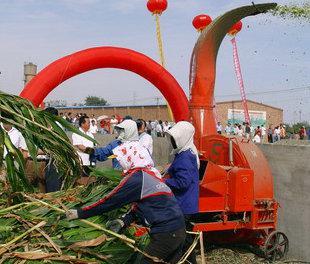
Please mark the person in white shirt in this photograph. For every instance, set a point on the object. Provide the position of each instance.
(257, 139)
(82, 143)
(159, 128)
(93, 118)
(219, 128)
(113, 123)
(93, 127)
(240, 131)
(144, 138)
(228, 129)
(17, 139)
(166, 126)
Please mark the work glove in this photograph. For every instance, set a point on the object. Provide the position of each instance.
(89, 150)
(115, 225)
(72, 214)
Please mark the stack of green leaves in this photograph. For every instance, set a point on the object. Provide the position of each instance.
(36, 230)
(41, 130)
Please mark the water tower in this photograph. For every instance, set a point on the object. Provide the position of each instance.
(30, 70)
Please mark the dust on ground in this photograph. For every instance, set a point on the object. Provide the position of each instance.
(238, 256)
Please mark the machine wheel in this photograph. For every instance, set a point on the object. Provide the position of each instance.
(276, 246)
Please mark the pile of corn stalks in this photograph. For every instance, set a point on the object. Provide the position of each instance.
(36, 230)
(41, 131)
(33, 227)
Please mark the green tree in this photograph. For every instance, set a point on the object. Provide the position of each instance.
(95, 101)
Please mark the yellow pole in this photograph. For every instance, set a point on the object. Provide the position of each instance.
(161, 55)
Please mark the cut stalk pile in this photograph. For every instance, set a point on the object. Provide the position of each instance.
(36, 230)
(33, 228)
(41, 131)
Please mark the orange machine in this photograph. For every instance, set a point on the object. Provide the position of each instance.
(236, 199)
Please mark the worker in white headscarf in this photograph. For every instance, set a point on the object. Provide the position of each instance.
(183, 174)
(127, 132)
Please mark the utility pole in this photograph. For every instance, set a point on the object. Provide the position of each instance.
(134, 97)
(157, 100)
(299, 116)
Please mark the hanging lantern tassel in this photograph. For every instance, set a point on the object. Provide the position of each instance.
(159, 41)
(240, 80)
(157, 7)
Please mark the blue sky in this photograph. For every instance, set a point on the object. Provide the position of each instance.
(274, 53)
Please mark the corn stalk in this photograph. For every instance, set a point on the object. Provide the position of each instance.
(41, 131)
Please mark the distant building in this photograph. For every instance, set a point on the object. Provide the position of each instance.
(231, 111)
(30, 71)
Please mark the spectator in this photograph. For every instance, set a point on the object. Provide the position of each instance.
(247, 131)
(149, 127)
(219, 128)
(276, 133)
(159, 129)
(282, 131)
(166, 127)
(228, 129)
(16, 137)
(270, 134)
(113, 123)
(235, 129)
(258, 131)
(82, 143)
(93, 127)
(302, 133)
(240, 131)
(127, 117)
(69, 117)
(144, 138)
(93, 118)
(257, 138)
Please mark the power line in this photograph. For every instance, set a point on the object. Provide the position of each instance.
(268, 92)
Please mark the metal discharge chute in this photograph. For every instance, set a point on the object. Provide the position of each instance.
(203, 68)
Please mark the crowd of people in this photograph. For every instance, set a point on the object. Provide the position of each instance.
(259, 134)
(106, 125)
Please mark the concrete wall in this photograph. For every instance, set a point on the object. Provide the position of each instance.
(290, 166)
(291, 170)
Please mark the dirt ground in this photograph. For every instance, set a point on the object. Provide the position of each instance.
(237, 256)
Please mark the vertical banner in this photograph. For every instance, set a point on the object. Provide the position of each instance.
(240, 80)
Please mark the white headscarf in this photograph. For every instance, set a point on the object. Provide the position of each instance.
(183, 135)
(131, 155)
(128, 131)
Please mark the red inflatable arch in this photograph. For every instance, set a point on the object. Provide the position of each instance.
(108, 57)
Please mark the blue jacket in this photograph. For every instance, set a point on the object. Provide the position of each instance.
(102, 154)
(184, 181)
(154, 203)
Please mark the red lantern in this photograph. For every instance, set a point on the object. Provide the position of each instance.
(235, 28)
(200, 22)
(157, 6)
